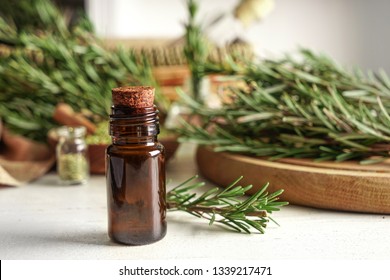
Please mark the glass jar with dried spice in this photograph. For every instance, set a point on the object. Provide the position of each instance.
(135, 172)
(72, 160)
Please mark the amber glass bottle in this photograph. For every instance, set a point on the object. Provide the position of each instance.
(135, 169)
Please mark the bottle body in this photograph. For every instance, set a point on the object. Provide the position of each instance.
(136, 194)
(135, 172)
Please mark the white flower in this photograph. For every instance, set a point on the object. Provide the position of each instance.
(249, 11)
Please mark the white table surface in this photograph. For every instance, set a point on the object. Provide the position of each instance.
(43, 220)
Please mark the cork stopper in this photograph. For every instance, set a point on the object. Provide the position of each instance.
(133, 96)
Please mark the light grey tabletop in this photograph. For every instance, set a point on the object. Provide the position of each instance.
(43, 220)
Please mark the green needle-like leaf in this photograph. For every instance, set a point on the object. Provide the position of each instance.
(227, 206)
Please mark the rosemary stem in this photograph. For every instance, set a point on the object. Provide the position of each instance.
(205, 209)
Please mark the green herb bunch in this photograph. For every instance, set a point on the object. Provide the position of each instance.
(47, 59)
(306, 107)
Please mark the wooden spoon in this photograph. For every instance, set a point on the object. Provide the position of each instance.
(65, 115)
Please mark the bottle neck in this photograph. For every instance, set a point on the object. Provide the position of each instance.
(134, 126)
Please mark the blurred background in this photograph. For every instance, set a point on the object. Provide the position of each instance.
(58, 65)
(354, 32)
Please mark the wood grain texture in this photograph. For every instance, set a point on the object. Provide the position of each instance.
(320, 185)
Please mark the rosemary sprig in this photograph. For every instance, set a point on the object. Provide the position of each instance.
(307, 108)
(226, 206)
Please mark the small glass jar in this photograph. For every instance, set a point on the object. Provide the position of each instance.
(72, 160)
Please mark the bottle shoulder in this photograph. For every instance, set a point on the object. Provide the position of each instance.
(155, 147)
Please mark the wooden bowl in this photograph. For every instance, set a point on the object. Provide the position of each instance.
(97, 158)
(347, 186)
(171, 144)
